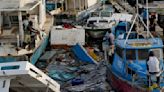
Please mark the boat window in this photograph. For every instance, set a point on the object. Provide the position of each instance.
(143, 54)
(94, 14)
(121, 28)
(92, 22)
(130, 71)
(104, 21)
(130, 55)
(131, 36)
(14, 19)
(105, 14)
(119, 51)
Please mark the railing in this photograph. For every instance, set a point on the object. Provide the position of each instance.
(143, 80)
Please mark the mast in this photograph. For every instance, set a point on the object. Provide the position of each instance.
(21, 32)
(147, 11)
(138, 16)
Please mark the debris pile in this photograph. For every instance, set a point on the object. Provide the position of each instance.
(77, 76)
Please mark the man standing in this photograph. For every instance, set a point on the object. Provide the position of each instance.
(153, 66)
(109, 36)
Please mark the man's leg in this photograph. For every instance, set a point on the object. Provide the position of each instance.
(158, 80)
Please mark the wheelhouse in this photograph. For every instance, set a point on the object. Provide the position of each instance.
(130, 58)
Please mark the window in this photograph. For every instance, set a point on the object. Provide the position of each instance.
(143, 54)
(131, 36)
(121, 28)
(119, 51)
(130, 71)
(103, 21)
(92, 22)
(130, 55)
(14, 19)
(105, 14)
(94, 14)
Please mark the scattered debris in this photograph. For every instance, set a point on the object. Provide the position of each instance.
(74, 75)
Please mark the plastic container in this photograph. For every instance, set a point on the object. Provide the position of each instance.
(77, 81)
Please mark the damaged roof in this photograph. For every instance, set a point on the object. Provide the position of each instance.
(15, 6)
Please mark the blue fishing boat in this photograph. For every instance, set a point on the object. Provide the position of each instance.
(128, 70)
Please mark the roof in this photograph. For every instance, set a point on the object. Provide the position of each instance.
(140, 43)
(122, 17)
(15, 6)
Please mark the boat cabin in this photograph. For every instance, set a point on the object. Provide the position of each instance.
(121, 28)
(99, 22)
(130, 58)
(124, 21)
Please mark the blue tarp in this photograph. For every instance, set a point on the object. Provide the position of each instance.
(82, 54)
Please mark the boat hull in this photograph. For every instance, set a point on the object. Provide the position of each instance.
(96, 33)
(33, 57)
(122, 85)
(38, 52)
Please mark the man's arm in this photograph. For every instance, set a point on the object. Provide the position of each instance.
(34, 30)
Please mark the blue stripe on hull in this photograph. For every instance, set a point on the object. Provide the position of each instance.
(34, 58)
(7, 59)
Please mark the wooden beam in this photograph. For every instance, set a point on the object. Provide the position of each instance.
(21, 31)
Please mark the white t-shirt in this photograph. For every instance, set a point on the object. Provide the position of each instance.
(153, 64)
(109, 36)
(121, 36)
(25, 23)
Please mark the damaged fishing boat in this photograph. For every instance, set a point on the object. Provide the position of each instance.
(17, 60)
(100, 22)
(127, 76)
(128, 70)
